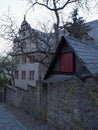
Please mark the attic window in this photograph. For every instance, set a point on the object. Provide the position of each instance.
(66, 63)
(32, 59)
(23, 45)
(23, 34)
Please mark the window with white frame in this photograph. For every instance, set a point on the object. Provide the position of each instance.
(31, 75)
(23, 75)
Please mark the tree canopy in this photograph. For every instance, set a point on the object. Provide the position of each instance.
(78, 28)
(7, 67)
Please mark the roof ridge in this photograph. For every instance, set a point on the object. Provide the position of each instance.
(85, 43)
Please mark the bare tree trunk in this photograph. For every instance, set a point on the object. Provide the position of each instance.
(56, 26)
(56, 35)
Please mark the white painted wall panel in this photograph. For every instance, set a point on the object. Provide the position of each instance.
(27, 67)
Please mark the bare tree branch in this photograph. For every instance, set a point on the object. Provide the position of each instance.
(56, 6)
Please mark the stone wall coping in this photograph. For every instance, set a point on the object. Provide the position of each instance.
(11, 87)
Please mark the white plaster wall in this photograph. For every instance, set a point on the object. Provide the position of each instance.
(30, 46)
(27, 67)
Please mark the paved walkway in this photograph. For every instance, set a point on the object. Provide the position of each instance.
(13, 119)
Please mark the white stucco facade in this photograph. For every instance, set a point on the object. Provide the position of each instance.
(27, 67)
(25, 34)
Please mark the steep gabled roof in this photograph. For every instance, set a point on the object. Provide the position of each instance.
(44, 42)
(87, 53)
(94, 30)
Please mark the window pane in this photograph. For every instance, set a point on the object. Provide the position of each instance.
(23, 59)
(32, 58)
(16, 74)
(31, 75)
(23, 74)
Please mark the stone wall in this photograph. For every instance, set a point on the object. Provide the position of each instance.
(11, 95)
(69, 105)
(28, 101)
(73, 104)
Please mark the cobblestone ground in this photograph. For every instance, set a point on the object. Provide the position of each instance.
(13, 119)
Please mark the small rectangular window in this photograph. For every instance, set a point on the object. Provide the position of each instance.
(31, 59)
(23, 45)
(31, 75)
(24, 32)
(23, 75)
(23, 59)
(16, 74)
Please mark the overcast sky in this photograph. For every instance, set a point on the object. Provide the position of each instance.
(18, 9)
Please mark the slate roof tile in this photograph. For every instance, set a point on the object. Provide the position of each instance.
(88, 53)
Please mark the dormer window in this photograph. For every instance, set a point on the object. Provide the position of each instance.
(23, 45)
(24, 33)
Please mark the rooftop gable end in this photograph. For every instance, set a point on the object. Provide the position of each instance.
(88, 54)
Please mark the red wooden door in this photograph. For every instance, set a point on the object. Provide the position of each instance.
(66, 62)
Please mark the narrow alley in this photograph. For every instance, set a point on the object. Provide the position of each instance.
(13, 119)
